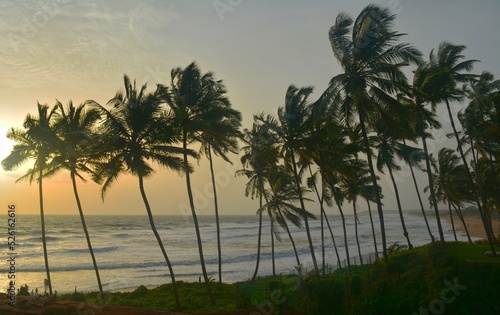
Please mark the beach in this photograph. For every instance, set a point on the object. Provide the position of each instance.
(474, 223)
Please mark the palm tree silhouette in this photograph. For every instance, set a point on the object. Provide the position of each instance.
(452, 186)
(136, 133)
(260, 153)
(199, 108)
(75, 126)
(372, 62)
(37, 142)
(221, 136)
(291, 128)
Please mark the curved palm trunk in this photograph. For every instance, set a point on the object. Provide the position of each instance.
(421, 203)
(259, 240)
(272, 244)
(482, 211)
(345, 237)
(373, 227)
(356, 229)
(323, 214)
(375, 184)
(343, 228)
(291, 238)
(195, 220)
(304, 215)
(216, 206)
(461, 217)
(400, 209)
(44, 240)
(160, 243)
(431, 187)
(452, 222)
(323, 244)
(87, 236)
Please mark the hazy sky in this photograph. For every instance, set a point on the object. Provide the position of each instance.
(80, 50)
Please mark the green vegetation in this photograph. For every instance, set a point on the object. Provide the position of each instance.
(460, 281)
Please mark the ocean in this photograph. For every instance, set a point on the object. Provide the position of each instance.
(128, 255)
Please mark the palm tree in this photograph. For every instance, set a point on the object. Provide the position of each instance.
(260, 153)
(135, 134)
(389, 144)
(280, 204)
(221, 137)
(198, 107)
(449, 64)
(327, 147)
(452, 186)
(322, 198)
(74, 126)
(372, 63)
(423, 93)
(291, 128)
(37, 141)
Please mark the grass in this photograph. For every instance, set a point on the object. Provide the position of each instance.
(412, 282)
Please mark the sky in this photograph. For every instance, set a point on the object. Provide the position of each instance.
(79, 50)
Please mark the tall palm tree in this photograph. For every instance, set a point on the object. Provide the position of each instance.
(221, 136)
(327, 147)
(422, 93)
(36, 142)
(75, 126)
(450, 64)
(260, 153)
(390, 146)
(372, 62)
(197, 103)
(291, 128)
(135, 134)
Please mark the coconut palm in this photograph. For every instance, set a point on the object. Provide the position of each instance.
(75, 126)
(197, 103)
(390, 146)
(36, 142)
(450, 64)
(322, 198)
(422, 119)
(135, 133)
(452, 186)
(221, 137)
(327, 147)
(372, 62)
(291, 128)
(260, 153)
(282, 195)
(480, 120)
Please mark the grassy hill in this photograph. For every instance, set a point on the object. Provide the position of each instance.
(424, 280)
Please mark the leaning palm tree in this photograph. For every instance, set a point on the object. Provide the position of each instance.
(36, 142)
(390, 146)
(452, 186)
(449, 65)
(221, 137)
(75, 126)
(280, 204)
(197, 104)
(260, 154)
(291, 128)
(372, 63)
(135, 133)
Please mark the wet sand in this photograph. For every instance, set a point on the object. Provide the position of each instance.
(473, 222)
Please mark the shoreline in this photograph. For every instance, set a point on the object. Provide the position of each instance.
(473, 222)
